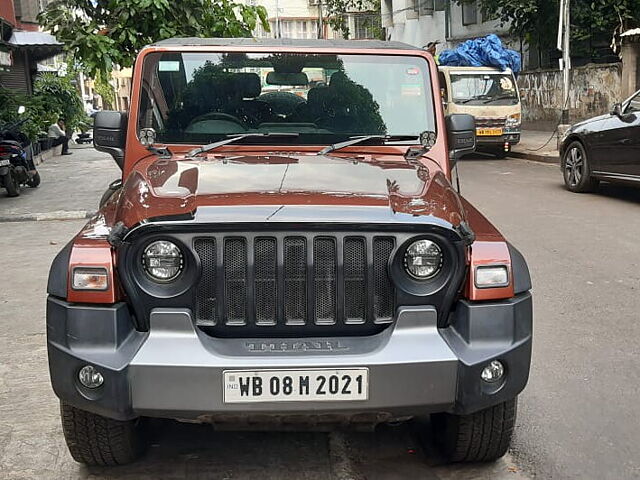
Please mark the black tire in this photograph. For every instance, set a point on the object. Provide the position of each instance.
(576, 169)
(96, 440)
(34, 181)
(483, 436)
(12, 185)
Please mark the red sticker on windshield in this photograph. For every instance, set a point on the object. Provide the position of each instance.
(413, 71)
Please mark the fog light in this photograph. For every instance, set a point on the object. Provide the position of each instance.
(492, 372)
(90, 377)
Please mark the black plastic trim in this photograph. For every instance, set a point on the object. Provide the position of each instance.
(59, 272)
(520, 270)
(486, 331)
(101, 336)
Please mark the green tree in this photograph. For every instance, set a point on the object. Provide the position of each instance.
(60, 98)
(100, 34)
(536, 21)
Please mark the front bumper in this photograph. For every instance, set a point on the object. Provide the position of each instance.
(176, 371)
(512, 138)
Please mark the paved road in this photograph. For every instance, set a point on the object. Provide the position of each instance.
(578, 417)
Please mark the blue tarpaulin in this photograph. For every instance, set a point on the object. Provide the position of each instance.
(482, 52)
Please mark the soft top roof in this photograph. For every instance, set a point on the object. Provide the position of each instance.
(284, 42)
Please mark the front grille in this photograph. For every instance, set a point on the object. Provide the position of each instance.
(289, 283)
(490, 122)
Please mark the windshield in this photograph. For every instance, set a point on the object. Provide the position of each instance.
(203, 97)
(479, 89)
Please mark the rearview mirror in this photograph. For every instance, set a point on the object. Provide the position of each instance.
(110, 134)
(617, 109)
(21, 109)
(461, 135)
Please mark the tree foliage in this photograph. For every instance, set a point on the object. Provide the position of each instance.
(536, 21)
(100, 34)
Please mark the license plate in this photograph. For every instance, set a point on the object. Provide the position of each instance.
(488, 132)
(249, 386)
(4, 163)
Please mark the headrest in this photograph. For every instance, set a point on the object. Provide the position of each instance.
(248, 84)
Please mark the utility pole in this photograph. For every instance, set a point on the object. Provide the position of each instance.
(277, 32)
(564, 45)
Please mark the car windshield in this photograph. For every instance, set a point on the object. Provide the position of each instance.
(198, 98)
(482, 89)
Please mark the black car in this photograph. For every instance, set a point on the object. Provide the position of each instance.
(603, 148)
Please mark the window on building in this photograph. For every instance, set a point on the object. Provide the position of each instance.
(366, 26)
(413, 7)
(469, 13)
(425, 7)
(439, 5)
(298, 29)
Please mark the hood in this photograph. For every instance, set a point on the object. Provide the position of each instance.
(586, 123)
(270, 187)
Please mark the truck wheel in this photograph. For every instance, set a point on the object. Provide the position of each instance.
(480, 437)
(96, 440)
(12, 185)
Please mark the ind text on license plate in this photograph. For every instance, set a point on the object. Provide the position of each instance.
(296, 385)
(488, 132)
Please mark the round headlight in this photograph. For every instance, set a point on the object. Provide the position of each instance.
(162, 260)
(423, 259)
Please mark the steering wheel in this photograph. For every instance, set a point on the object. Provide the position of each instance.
(218, 116)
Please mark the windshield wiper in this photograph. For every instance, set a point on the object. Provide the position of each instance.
(501, 97)
(360, 139)
(235, 138)
(467, 100)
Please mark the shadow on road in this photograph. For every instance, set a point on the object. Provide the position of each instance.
(198, 452)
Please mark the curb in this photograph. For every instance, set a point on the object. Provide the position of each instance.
(41, 217)
(536, 157)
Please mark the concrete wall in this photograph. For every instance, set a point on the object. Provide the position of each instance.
(594, 89)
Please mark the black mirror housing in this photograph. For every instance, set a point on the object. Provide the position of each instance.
(110, 134)
(461, 135)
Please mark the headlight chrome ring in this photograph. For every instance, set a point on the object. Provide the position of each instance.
(162, 261)
(423, 259)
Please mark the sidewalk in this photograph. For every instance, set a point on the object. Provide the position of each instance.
(71, 187)
(532, 146)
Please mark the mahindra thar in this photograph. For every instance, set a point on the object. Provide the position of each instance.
(285, 249)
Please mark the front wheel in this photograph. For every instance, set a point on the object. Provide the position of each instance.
(576, 169)
(96, 440)
(483, 436)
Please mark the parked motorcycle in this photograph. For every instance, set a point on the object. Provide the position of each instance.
(16, 164)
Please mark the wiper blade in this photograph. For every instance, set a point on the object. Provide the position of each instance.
(360, 139)
(501, 97)
(235, 138)
(467, 100)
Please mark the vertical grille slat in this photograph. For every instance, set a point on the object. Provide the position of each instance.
(324, 278)
(235, 276)
(206, 301)
(355, 280)
(295, 281)
(297, 285)
(383, 287)
(265, 280)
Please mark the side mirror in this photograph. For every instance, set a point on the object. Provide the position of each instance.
(21, 109)
(110, 134)
(617, 109)
(461, 135)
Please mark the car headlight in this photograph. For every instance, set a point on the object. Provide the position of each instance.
(423, 259)
(513, 121)
(162, 261)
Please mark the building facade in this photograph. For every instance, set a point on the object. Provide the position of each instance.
(419, 22)
(23, 49)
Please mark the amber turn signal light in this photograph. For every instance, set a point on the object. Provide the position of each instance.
(93, 278)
